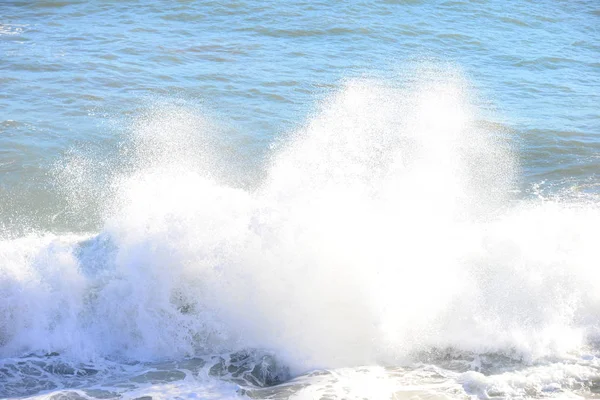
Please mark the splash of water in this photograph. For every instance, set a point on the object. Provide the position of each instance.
(386, 226)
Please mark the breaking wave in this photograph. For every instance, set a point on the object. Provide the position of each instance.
(389, 225)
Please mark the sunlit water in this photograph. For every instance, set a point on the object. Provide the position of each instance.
(299, 200)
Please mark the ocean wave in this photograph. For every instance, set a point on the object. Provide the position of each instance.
(387, 227)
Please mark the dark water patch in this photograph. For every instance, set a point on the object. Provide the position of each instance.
(101, 394)
(159, 377)
(34, 374)
(293, 33)
(515, 21)
(546, 62)
(250, 368)
(69, 395)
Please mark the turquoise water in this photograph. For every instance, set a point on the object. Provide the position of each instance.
(73, 72)
(181, 181)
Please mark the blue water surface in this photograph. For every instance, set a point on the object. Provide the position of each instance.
(71, 72)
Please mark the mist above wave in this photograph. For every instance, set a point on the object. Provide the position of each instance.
(387, 225)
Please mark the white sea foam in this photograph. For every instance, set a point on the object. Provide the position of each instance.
(386, 226)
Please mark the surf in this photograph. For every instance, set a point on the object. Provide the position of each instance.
(389, 227)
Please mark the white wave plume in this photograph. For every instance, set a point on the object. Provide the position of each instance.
(387, 225)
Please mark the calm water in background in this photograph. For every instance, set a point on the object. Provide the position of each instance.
(72, 72)
(80, 80)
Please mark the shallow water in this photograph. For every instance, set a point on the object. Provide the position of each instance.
(299, 200)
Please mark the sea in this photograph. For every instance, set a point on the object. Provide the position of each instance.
(243, 199)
